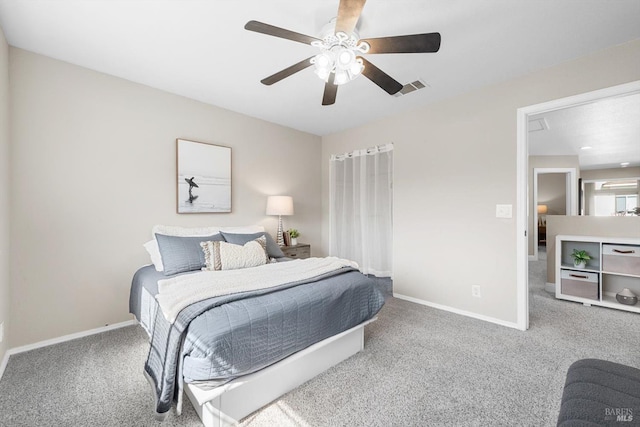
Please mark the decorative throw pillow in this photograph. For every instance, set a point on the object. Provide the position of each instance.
(273, 249)
(180, 254)
(220, 255)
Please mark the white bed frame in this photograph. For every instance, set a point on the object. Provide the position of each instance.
(227, 404)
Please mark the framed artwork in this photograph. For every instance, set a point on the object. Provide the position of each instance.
(204, 177)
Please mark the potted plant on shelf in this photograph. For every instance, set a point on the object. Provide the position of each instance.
(580, 258)
(293, 233)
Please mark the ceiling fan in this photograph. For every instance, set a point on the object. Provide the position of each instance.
(340, 59)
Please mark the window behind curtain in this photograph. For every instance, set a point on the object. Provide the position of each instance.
(361, 198)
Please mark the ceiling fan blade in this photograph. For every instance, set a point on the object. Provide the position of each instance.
(415, 43)
(348, 15)
(275, 78)
(379, 77)
(261, 27)
(330, 91)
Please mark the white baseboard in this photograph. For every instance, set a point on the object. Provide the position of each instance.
(458, 311)
(61, 339)
(4, 362)
(550, 287)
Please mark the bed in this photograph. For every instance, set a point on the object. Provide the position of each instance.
(235, 340)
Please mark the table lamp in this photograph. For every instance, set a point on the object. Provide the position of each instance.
(280, 205)
(542, 210)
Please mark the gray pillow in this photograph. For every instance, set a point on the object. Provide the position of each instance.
(273, 250)
(180, 253)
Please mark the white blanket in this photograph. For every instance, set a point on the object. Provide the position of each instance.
(178, 292)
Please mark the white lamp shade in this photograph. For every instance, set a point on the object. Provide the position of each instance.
(542, 209)
(279, 205)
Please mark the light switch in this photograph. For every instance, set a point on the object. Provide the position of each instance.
(504, 211)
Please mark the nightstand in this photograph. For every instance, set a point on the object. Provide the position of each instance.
(301, 250)
(542, 234)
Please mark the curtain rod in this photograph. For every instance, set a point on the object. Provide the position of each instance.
(363, 152)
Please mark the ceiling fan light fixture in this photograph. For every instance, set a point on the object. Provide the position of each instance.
(338, 55)
(363, 47)
(356, 67)
(342, 77)
(324, 60)
(343, 38)
(323, 73)
(339, 58)
(324, 64)
(346, 58)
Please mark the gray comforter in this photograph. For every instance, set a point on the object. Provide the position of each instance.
(226, 337)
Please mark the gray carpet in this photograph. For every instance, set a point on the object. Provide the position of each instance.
(420, 367)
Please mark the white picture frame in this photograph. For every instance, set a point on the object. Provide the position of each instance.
(203, 177)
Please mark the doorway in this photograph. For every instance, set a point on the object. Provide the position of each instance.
(523, 181)
(554, 193)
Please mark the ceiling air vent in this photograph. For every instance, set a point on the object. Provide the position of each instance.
(411, 87)
(537, 125)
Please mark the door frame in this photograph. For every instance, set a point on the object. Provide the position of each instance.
(522, 182)
(571, 198)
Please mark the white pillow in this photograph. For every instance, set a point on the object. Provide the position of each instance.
(154, 253)
(228, 256)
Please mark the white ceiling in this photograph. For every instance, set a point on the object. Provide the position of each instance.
(199, 49)
(611, 127)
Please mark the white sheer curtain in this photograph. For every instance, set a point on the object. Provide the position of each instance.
(361, 197)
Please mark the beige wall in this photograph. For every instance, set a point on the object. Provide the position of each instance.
(552, 192)
(464, 148)
(610, 173)
(93, 167)
(598, 226)
(4, 193)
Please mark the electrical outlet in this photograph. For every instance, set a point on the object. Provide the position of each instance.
(1, 331)
(475, 291)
